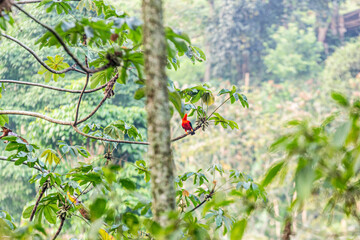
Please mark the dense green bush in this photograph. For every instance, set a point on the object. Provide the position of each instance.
(344, 63)
(296, 53)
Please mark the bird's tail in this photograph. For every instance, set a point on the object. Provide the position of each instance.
(192, 132)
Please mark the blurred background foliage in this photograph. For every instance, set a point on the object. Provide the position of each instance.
(287, 56)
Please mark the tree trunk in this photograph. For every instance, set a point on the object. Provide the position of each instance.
(157, 106)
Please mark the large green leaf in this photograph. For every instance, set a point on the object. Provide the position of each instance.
(238, 230)
(272, 172)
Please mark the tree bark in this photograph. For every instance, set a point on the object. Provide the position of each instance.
(157, 107)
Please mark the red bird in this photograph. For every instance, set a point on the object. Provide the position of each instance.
(186, 124)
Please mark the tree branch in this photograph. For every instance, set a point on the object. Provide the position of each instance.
(62, 43)
(93, 112)
(53, 88)
(24, 163)
(42, 191)
(184, 135)
(38, 58)
(206, 198)
(59, 229)
(108, 140)
(81, 94)
(37, 115)
(107, 94)
(218, 107)
(36, 1)
(52, 120)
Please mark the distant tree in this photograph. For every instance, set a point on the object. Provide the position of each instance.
(238, 33)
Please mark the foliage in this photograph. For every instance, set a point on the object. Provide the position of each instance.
(343, 64)
(296, 54)
(323, 159)
(239, 30)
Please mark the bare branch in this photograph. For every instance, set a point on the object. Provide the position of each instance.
(81, 94)
(61, 41)
(52, 120)
(36, 1)
(108, 140)
(53, 88)
(28, 1)
(60, 228)
(106, 93)
(205, 199)
(93, 112)
(42, 191)
(37, 115)
(218, 107)
(24, 163)
(184, 135)
(38, 58)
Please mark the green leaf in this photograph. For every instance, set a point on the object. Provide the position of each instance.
(199, 52)
(238, 230)
(175, 99)
(97, 208)
(128, 184)
(27, 212)
(272, 172)
(341, 134)
(50, 156)
(114, 131)
(3, 119)
(13, 146)
(140, 93)
(50, 214)
(223, 91)
(340, 99)
(304, 178)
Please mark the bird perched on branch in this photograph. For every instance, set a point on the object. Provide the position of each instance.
(186, 124)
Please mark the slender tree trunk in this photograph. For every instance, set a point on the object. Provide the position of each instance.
(157, 106)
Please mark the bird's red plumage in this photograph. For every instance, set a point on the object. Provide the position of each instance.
(186, 124)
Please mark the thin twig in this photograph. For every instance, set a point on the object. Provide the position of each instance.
(38, 58)
(76, 198)
(29, 1)
(205, 199)
(37, 115)
(24, 163)
(93, 112)
(60, 228)
(53, 88)
(42, 191)
(36, 1)
(218, 107)
(106, 96)
(79, 102)
(62, 43)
